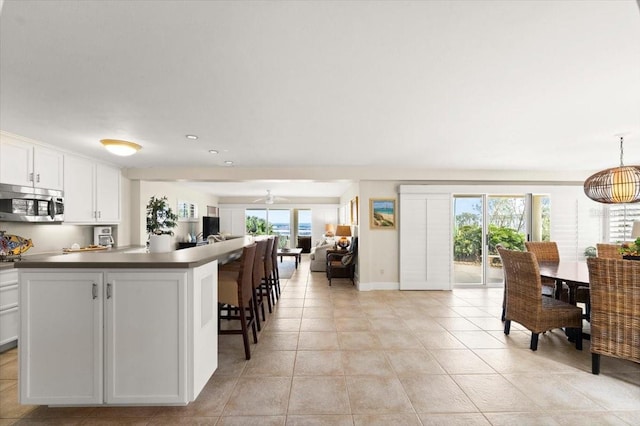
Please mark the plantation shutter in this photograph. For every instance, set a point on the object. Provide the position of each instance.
(621, 217)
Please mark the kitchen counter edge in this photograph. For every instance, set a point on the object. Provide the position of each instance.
(223, 252)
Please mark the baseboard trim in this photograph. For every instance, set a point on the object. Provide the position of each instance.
(378, 286)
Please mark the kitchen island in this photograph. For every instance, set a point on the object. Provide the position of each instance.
(120, 328)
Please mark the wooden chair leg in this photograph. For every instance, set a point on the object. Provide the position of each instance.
(507, 326)
(255, 309)
(245, 335)
(252, 320)
(578, 336)
(276, 282)
(265, 288)
(534, 342)
(595, 363)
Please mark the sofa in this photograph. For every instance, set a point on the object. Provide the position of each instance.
(318, 257)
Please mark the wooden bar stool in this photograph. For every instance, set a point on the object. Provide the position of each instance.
(275, 272)
(266, 286)
(235, 290)
(258, 275)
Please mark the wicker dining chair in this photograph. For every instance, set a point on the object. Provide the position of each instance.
(525, 306)
(547, 251)
(615, 309)
(609, 251)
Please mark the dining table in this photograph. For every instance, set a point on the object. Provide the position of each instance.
(575, 274)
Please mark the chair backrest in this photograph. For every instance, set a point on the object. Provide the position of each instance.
(258, 263)
(274, 251)
(354, 246)
(609, 251)
(522, 281)
(245, 274)
(268, 257)
(545, 251)
(615, 307)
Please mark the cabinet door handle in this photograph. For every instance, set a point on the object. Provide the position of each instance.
(94, 290)
(30, 177)
(99, 214)
(108, 290)
(38, 177)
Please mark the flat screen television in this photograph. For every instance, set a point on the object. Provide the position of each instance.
(210, 226)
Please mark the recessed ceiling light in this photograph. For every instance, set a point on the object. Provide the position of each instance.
(228, 163)
(192, 137)
(213, 151)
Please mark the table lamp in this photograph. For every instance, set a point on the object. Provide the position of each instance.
(343, 232)
(328, 230)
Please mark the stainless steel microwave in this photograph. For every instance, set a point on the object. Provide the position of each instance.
(26, 204)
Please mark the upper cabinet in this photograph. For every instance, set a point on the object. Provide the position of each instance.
(27, 164)
(91, 191)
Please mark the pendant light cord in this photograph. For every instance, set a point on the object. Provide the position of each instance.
(621, 151)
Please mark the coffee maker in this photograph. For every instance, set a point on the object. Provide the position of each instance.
(103, 236)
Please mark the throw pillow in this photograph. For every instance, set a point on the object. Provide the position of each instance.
(346, 259)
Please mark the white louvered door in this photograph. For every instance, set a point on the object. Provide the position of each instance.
(425, 241)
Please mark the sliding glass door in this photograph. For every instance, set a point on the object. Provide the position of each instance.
(269, 222)
(483, 221)
(507, 221)
(468, 242)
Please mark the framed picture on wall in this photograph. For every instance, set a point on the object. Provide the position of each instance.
(382, 213)
(354, 211)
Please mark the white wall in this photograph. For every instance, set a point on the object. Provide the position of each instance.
(378, 249)
(142, 191)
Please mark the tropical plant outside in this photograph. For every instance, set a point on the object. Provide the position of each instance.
(258, 226)
(506, 227)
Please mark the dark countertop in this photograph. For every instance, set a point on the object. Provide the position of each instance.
(137, 257)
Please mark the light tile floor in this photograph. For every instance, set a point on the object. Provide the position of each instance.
(336, 356)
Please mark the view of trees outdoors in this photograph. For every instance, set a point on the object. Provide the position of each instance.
(276, 221)
(506, 217)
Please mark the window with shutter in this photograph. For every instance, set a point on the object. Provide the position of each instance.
(621, 217)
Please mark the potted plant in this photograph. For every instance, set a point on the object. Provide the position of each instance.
(160, 222)
(631, 250)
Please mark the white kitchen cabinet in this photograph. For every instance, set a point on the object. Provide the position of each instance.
(26, 164)
(143, 316)
(61, 348)
(9, 311)
(91, 191)
(145, 336)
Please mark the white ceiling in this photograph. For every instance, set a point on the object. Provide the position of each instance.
(433, 85)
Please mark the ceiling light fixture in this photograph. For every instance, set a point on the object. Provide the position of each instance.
(228, 163)
(213, 151)
(192, 137)
(121, 148)
(616, 185)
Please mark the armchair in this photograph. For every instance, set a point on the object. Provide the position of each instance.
(343, 264)
(304, 242)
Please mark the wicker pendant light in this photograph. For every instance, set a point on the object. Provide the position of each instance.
(616, 185)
